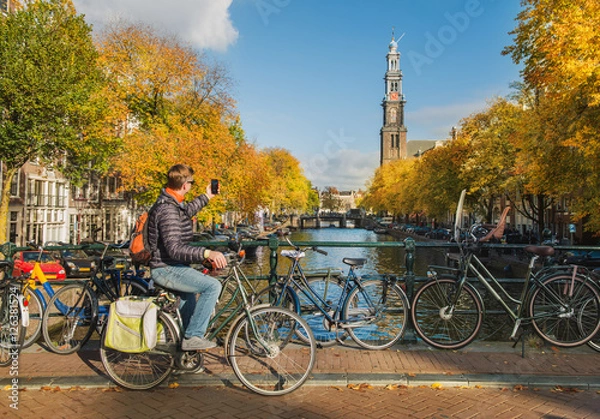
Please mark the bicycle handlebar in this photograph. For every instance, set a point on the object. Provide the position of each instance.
(313, 248)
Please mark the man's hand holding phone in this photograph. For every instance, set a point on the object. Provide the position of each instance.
(213, 188)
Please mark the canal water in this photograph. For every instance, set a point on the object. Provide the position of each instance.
(382, 260)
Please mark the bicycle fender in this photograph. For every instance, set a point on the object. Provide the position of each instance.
(23, 305)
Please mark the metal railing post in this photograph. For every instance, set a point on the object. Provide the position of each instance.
(409, 277)
(273, 246)
(409, 248)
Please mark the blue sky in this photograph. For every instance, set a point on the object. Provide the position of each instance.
(308, 74)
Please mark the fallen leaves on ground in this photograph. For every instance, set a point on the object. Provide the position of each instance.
(519, 387)
(173, 385)
(395, 386)
(437, 386)
(48, 388)
(112, 389)
(561, 389)
(362, 386)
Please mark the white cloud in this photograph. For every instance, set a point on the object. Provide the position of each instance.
(435, 122)
(346, 169)
(206, 24)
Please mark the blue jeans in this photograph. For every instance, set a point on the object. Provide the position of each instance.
(187, 283)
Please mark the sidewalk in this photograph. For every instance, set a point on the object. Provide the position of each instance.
(485, 364)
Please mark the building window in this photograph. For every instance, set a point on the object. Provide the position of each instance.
(14, 217)
(14, 184)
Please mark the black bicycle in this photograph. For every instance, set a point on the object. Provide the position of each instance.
(77, 310)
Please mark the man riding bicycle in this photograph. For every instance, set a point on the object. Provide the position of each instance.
(170, 234)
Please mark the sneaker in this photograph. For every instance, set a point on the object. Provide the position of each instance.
(196, 343)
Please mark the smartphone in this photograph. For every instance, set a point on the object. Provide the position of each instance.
(214, 186)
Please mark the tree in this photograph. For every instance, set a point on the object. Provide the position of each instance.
(557, 42)
(247, 178)
(51, 108)
(330, 199)
(436, 179)
(173, 108)
(489, 163)
(289, 190)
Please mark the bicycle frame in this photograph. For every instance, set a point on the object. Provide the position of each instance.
(350, 282)
(239, 278)
(242, 308)
(470, 263)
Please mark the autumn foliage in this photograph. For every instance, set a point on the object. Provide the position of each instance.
(172, 106)
(537, 147)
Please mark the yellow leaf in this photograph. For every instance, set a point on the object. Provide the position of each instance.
(436, 386)
(173, 385)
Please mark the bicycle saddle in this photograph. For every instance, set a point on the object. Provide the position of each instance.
(354, 261)
(292, 254)
(540, 250)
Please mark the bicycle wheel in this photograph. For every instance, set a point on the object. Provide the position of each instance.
(36, 311)
(142, 371)
(265, 354)
(12, 331)
(69, 319)
(565, 310)
(594, 342)
(443, 319)
(329, 290)
(376, 313)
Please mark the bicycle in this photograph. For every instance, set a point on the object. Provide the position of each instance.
(561, 303)
(261, 344)
(372, 311)
(35, 298)
(14, 316)
(77, 310)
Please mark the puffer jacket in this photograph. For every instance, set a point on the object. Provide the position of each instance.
(170, 231)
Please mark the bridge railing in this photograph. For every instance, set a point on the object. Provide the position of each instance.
(407, 248)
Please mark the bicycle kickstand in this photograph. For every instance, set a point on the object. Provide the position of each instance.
(521, 337)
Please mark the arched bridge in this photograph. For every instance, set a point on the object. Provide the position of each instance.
(332, 219)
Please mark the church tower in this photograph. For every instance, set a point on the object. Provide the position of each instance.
(393, 132)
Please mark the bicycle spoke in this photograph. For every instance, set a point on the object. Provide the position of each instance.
(265, 355)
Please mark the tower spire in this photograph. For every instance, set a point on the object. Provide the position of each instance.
(393, 132)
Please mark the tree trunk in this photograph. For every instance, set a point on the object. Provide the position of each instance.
(4, 202)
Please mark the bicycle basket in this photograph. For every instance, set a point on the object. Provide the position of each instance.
(131, 326)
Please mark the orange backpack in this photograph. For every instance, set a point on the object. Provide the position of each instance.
(139, 247)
